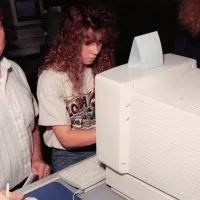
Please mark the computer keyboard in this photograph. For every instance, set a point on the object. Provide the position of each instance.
(85, 174)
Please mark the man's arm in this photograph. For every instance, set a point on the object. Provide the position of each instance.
(39, 167)
(74, 138)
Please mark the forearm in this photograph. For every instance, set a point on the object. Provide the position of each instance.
(74, 138)
(37, 154)
(80, 138)
(39, 167)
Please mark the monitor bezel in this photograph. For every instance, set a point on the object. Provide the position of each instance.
(17, 23)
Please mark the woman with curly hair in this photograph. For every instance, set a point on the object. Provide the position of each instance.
(83, 48)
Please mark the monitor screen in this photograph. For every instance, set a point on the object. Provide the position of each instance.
(27, 10)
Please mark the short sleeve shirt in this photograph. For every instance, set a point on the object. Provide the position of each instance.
(18, 109)
(59, 104)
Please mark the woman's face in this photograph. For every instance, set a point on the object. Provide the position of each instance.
(2, 38)
(90, 50)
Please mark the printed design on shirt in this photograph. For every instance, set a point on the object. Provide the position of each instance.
(81, 110)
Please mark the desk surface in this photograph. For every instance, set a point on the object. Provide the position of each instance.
(98, 193)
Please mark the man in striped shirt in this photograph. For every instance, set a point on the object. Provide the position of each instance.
(19, 135)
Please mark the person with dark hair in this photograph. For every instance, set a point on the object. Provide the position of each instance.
(83, 48)
(19, 134)
(189, 16)
(187, 42)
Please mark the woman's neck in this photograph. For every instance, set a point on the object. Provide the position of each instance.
(84, 66)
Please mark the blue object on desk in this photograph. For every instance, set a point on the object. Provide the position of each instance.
(52, 191)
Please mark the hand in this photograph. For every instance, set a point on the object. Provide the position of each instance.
(12, 196)
(40, 168)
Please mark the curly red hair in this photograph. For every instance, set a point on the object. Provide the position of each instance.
(65, 53)
(189, 15)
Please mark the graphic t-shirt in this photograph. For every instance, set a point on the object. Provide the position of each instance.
(81, 110)
(59, 105)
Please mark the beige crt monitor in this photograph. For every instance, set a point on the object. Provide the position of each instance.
(148, 130)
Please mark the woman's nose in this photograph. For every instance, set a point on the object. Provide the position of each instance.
(96, 48)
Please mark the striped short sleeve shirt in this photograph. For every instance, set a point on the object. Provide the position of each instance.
(18, 109)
